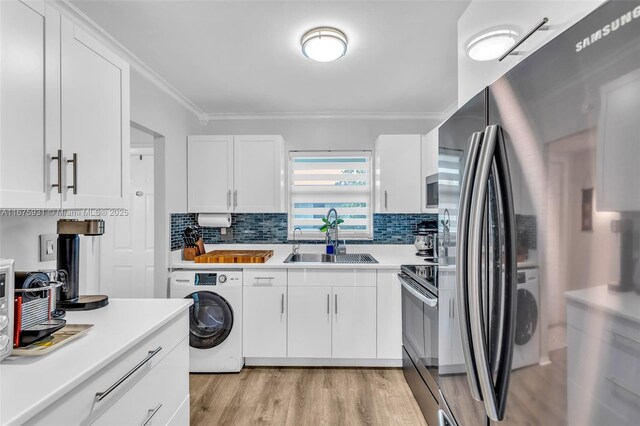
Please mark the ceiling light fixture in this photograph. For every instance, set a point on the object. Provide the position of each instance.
(324, 44)
(491, 44)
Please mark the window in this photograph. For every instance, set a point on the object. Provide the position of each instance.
(319, 181)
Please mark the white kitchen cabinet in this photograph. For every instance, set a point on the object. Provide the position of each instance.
(354, 322)
(210, 173)
(397, 174)
(617, 149)
(64, 113)
(520, 16)
(428, 166)
(389, 315)
(309, 322)
(242, 174)
(450, 355)
(264, 325)
(95, 121)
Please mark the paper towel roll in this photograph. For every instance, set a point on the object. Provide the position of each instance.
(214, 220)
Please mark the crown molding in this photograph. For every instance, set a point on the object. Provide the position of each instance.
(328, 115)
(78, 17)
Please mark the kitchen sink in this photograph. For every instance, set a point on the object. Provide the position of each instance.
(330, 258)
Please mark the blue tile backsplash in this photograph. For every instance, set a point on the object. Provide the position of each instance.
(271, 228)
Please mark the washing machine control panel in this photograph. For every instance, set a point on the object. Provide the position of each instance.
(217, 278)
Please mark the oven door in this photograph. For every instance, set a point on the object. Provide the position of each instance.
(420, 329)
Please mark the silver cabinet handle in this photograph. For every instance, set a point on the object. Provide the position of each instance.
(328, 301)
(75, 173)
(229, 199)
(235, 198)
(264, 278)
(462, 284)
(102, 395)
(282, 304)
(433, 302)
(386, 200)
(621, 386)
(152, 412)
(58, 158)
(538, 26)
(336, 303)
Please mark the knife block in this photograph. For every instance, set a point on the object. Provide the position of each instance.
(189, 253)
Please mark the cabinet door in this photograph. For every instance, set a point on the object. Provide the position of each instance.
(209, 174)
(258, 174)
(95, 121)
(354, 322)
(22, 82)
(397, 160)
(429, 165)
(445, 300)
(309, 322)
(389, 315)
(264, 331)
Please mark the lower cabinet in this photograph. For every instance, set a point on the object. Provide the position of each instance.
(264, 321)
(309, 322)
(354, 322)
(389, 315)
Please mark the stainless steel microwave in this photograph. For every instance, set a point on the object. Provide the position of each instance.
(431, 195)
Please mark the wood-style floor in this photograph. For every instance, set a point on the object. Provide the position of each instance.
(304, 396)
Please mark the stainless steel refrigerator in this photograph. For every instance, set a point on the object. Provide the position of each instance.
(542, 197)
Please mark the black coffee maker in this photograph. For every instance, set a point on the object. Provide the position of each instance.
(69, 231)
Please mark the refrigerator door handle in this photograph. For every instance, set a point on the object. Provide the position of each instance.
(509, 292)
(462, 251)
(474, 273)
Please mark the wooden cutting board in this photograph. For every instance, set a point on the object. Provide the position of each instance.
(235, 256)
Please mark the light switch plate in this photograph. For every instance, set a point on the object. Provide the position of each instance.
(48, 247)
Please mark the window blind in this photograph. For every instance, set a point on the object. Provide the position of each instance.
(319, 181)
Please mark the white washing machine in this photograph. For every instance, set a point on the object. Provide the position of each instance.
(527, 338)
(215, 318)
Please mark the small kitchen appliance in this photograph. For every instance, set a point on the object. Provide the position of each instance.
(69, 231)
(425, 240)
(6, 307)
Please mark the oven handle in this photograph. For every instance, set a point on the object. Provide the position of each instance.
(461, 261)
(433, 302)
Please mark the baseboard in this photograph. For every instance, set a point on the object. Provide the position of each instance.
(321, 362)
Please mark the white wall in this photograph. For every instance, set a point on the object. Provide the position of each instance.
(325, 133)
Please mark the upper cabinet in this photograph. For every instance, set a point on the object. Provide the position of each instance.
(242, 174)
(518, 16)
(64, 113)
(429, 151)
(397, 174)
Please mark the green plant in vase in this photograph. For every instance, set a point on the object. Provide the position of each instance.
(329, 225)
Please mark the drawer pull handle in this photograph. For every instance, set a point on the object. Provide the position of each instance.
(621, 386)
(631, 339)
(102, 395)
(264, 278)
(152, 412)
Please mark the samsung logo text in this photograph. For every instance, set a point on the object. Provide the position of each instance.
(608, 29)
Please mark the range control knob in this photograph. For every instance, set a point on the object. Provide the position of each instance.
(222, 279)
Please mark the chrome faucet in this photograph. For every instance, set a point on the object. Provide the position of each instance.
(296, 244)
(336, 241)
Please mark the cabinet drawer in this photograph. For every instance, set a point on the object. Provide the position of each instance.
(332, 277)
(157, 395)
(79, 405)
(602, 325)
(264, 277)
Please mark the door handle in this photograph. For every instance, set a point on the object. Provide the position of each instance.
(386, 199)
(328, 301)
(462, 255)
(58, 158)
(282, 304)
(335, 303)
(529, 33)
(229, 199)
(152, 412)
(235, 198)
(75, 173)
(102, 395)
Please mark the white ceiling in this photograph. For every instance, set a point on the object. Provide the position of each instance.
(243, 57)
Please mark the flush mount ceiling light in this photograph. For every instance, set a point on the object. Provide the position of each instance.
(324, 44)
(491, 44)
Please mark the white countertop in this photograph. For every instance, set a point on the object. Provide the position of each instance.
(624, 305)
(30, 384)
(388, 256)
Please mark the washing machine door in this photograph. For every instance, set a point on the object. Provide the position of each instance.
(526, 317)
(210, 319)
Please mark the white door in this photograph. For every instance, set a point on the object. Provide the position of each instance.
(264, 329)
(126, 268)
(95, 121)
(309, 322)
(258, 175)
(397, 159)
(22, 82)
(210, 174)
(354, 322)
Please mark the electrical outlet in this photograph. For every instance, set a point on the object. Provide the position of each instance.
(48, 247)
(227, 235)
